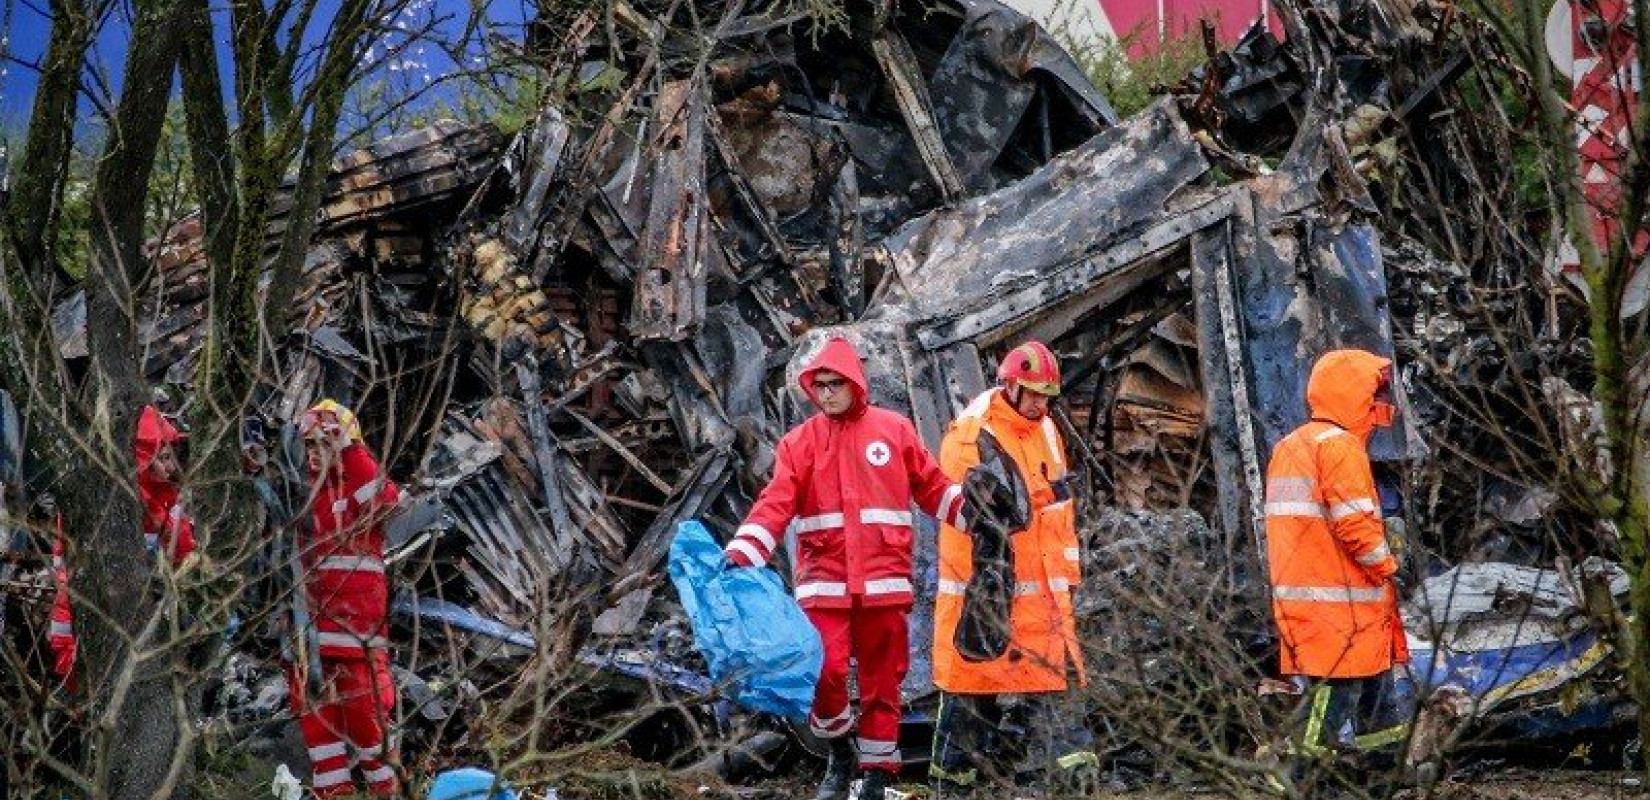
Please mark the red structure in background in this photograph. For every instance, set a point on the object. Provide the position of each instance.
(1152, 22)
(1592, 42)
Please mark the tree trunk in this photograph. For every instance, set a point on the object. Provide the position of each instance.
(142, 746)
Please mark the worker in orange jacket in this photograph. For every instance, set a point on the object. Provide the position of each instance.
(1333, 590)
(1042, 668)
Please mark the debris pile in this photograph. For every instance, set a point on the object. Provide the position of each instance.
(569, 340)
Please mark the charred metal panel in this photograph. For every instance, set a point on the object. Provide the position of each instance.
(669, 298)
(1043, 240)
(1003, 72)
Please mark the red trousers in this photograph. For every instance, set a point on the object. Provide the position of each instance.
(877, 640)
(351, 714)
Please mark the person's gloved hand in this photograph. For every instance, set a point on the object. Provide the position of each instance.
(733, 559)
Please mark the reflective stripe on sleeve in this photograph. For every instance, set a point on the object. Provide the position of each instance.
(1330, 594)
(749, 550)
(1291, 490)
(1376, 556)
(950, 504)
(758, 533)
(948, 586)
(1313, 510)
(1361, 505)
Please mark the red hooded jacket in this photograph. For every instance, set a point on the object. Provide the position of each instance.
(848, 483)
(166, 526)
(344, 560)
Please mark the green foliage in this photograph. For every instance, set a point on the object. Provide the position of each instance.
(1128, 83)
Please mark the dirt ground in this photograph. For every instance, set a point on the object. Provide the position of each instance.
(1546, 785)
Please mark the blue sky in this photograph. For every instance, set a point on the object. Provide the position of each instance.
(27, 28)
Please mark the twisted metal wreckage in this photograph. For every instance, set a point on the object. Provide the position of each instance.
(597, 316)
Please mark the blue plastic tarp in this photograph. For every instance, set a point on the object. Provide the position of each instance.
(753, 635)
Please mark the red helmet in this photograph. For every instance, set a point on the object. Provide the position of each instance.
(1032, 366)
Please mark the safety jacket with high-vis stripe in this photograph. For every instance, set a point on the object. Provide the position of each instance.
(1047, 560)
(343, 560)
(847, 483)
(1331, 569)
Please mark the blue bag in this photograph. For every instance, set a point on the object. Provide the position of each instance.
(749, 629)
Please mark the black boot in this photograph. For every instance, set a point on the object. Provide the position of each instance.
(874, 786)
(839, 771)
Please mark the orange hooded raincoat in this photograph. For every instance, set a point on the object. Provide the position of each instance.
(1331, 569)
(1047, 560)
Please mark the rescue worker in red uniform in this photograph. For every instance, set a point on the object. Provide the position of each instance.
(346, 721)
(846, 479)
(1035, 681)
(167, 527)
(1332, 570)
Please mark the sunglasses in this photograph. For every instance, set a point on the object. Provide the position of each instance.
(830, 385)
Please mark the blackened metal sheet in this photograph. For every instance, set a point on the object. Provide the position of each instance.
(961, 259)
(989, 77)
(1306, 290)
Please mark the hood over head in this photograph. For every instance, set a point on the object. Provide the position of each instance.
(153, 432)
(1342, 390)
(840, 357)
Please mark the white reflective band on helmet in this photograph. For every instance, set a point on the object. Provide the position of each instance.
(948, 586)
(1291, 490)
(1329, 434)
(1074, 554)
(351, 564)
(821, 589)
(61, 629)
(1376, 556)
(887, 586)
(818, 522)
(1330, 594)
(330, 778)
(369, 490)
(349, 640)
(884, 516)
(758, 533)
(1362, 505)
(326, 751)
(1314, 510)
(751, 553)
